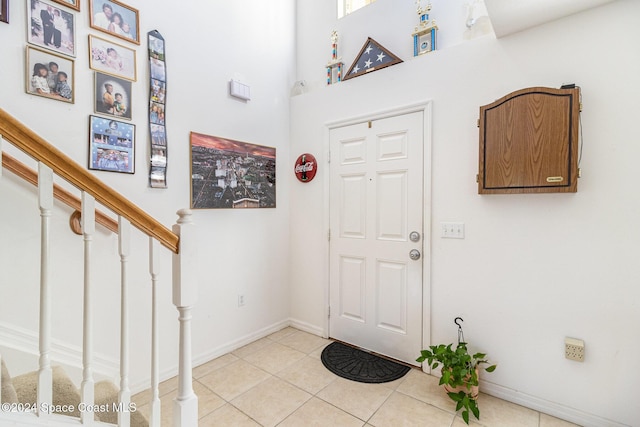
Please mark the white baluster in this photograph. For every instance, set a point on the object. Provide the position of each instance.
(185, 405)
(124, 397)
(0, 156)
(45, 199)
(88, 228)
(154, 267)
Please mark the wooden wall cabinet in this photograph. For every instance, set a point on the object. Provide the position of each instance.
(529, 142)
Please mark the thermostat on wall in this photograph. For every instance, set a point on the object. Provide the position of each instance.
(240, 90)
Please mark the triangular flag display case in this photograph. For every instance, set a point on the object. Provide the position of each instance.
(372, 57)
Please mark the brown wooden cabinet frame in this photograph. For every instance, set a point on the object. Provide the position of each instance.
(529, 142)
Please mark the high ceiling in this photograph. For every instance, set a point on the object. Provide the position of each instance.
(511, 16)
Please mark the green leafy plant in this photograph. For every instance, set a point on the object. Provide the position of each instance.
(459, 368)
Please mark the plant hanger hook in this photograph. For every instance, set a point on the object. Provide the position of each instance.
(460, 333)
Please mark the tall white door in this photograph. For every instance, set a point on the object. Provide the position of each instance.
(376, 215)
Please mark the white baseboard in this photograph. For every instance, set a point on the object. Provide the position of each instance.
(547, 407)
(215, 353)
(26, 341)
(307, 327)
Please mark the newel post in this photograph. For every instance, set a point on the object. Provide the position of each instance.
(185, 405)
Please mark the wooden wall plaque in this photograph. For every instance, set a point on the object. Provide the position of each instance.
(529, 142)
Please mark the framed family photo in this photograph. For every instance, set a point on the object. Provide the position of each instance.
(73, 4)
(51, 27)
(113, 96)
(49, 75)
(115, 18)
(112, 145)
(4, 11)
(112, 58)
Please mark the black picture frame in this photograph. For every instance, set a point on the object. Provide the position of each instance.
(118, 102)
(111, 145)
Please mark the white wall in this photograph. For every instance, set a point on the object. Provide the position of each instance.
(532, 269)
(207, 44)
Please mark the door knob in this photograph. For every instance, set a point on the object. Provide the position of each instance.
(414, 254)
(414, 236)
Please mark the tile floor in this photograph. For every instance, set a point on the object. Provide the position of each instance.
(279, 380)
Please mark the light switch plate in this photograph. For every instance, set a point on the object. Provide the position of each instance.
(452, 230)
(240, 90)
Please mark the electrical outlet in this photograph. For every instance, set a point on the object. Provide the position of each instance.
(241, 300)
(574, 349)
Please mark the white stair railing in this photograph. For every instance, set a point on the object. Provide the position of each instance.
(180, 240)
(88, 384)
(185, 408)
(45, 376)
(124, 248)
(154, 266)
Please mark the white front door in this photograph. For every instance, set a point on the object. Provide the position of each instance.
(376, 207)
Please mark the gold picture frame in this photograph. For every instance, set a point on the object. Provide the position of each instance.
(116, 19)
(50, 75)
(73, 4)
(112, 58)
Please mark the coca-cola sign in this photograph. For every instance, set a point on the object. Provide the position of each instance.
(306, 167)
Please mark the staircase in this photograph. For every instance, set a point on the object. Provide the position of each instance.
(20, 392)
(47, 396)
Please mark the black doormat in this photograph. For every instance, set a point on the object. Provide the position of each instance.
(357, 365)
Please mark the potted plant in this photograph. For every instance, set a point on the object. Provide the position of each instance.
(459, 374)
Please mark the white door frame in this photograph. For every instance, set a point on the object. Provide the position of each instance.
(424, 107)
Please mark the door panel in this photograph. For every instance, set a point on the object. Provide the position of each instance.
(352, 288)
(376, 200)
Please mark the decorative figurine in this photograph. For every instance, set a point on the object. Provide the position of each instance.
(424, 36)
(335, 65)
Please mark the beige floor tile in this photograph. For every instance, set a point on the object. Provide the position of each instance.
(549, 421)
(393, 385)
(402, 410)
(142, 398)
(317, 353)
(318, 413)
(358, 399)
(166, 409)
(271, 401)
(495, 412)
(168, 386)
(234, 379)
(212, 365)
(252, 348)
(425, 387)
(309, 374)
(304, 342)
(459, 422)
(274, 358)
(208, 401)
(227, 416)
(277, 336)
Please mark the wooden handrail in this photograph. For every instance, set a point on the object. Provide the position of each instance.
(23, 171)
(35, 146)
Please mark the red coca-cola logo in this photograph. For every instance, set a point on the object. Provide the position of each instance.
(306, 167)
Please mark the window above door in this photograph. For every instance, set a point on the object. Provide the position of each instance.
(346, 7)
